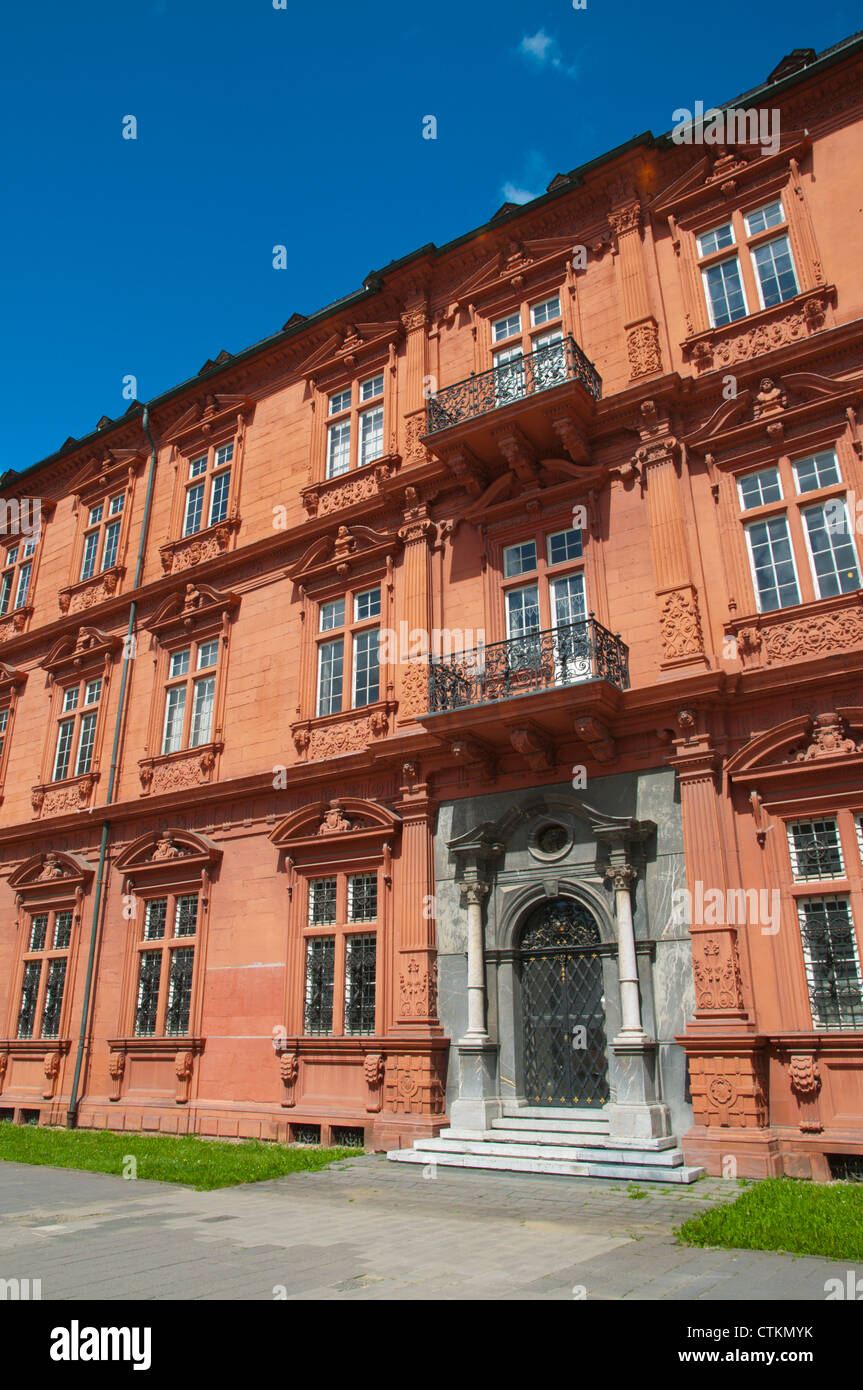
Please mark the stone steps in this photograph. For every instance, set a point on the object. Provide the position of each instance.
(448, 1142)
(554, 1138)
(514, 1163)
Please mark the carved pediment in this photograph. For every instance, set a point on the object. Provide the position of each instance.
(106, 471)
(348, 344)
(769, 403)
(211, 414)
(75, 652)
(328, 820)
(512, 262)
(790, 747)
(549, 473)
(196, 605)
(722, 169)
(342, 552)
(58, 873)
(163, 853)
(10, 679)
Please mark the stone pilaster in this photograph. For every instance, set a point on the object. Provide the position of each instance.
(639, 325)
(414, 921)
(680, 627)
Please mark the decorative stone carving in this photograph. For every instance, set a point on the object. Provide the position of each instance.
(474, 753)
(116, 1070)
(828, 739)
(166, 849)
(805, 1078)
(195, 550)
(414, 698)
(373, 1071)
(79, 597)
(418, 990)
(643, 350)
(57, 801)
(379, 723)
(51, 868)
(15, 623)
(4, 1062)
(743, 344)
(716, 971)
(680, 625)
(302, 738)
(769, 399)
(51, 1068)
(597, 737)
(183, 1064)
(178, 774)
(415, 450)
(333, 822)
(812, 636)
(728, 1091)
(289, 1070)
(536, 751)
(414, 1084)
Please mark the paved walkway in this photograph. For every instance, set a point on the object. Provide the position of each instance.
(368, 1229)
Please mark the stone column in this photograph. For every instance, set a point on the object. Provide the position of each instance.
(478, 1100)
(476, 1030)
(622, 878)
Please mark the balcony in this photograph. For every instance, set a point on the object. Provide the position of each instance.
(562, 656)
(484, 392)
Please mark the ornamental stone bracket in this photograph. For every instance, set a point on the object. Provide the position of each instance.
(597, 737)
(289, 1071)
(790, 322)
(374, 1068)
(59, 798)
(29, 1050)
(534, 747)
(87, 593)
(804, 1076)
(477, 755)
(172, 772)
(179, 1053)
(197, 549)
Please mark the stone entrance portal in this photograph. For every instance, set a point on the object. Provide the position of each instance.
(562, 1007)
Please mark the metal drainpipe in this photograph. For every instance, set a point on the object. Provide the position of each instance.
(74, 1099)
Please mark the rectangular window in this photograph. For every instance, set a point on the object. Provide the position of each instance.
(29, 995)
(725, 298)
(202, 711)
(64, 750)
(332, 615)
(53, 1004)
(186, 915)
(509, 375)
(367, 681)
(815, 850)
(147, 1006)
(340, 401)
(522, 611)
(320, 975)
(506, 327)
(372, 388)
(4, 722)
(832, 962)
(23, 585)
(546, 311)
(179, 990)
(91, 547)
(716, 240)
(38, 932)
(70, 698)
(816, 471)
(519, 559)
(112, 541)
(116, 504)
(774, 269)
(208, 653)
(194, 509)
(360, 962)
(62, 931)
(154, 919)
(772, 563)
(338, 449)
(322, 901)
(198, 466)
(567, 600)
(175, 707)
(85, 744)
(179, 663)
(371, 435)
(757, 489)
(367, 605)
(831, 550)
(219, 497)
(564, 545)
(330, 673)
(5, 591)
(92, 691)
(362, 897)
(762, 218)
(224, 455)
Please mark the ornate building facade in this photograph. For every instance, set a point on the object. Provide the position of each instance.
(453, 704)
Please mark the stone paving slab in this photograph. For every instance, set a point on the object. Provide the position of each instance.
(367, 1230)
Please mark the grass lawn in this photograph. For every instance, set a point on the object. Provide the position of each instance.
(802, 1218)
(199, 1163)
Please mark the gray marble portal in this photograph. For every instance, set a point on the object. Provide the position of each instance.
(505, 849)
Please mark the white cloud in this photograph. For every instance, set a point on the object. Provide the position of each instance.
(543, 49)
(518, 195)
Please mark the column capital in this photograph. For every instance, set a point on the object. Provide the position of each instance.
(621, 876)
(474, 890)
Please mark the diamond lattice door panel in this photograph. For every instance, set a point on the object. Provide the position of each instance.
(563, 1014)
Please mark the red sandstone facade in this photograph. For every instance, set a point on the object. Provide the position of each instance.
(184, 779)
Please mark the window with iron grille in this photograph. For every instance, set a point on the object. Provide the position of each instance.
(815, 850)
(320, 979)
(166, 974)
(362, 897)
(322, 901)
(46, 946)
(360, 960)
(832, 962)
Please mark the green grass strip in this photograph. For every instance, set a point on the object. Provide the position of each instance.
(198, 1163)
(801, 1218)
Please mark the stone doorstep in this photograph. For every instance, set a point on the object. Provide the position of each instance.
(543, 1145)
(643, 1172)
(551, 1126)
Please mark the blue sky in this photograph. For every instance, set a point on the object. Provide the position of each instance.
(303, 127)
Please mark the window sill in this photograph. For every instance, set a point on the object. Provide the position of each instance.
(88, 592)
(69, 794)
(796, 318)
(349, 731)
(804, 631)
(169, 772)
(176, 1055)
(196, 549)
(359, 484)
(29, 1050)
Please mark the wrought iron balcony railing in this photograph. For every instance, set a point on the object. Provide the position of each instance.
(525, 376)
(580, 651)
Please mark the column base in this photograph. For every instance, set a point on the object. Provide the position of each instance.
(478, 1100)
(637, 1124)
